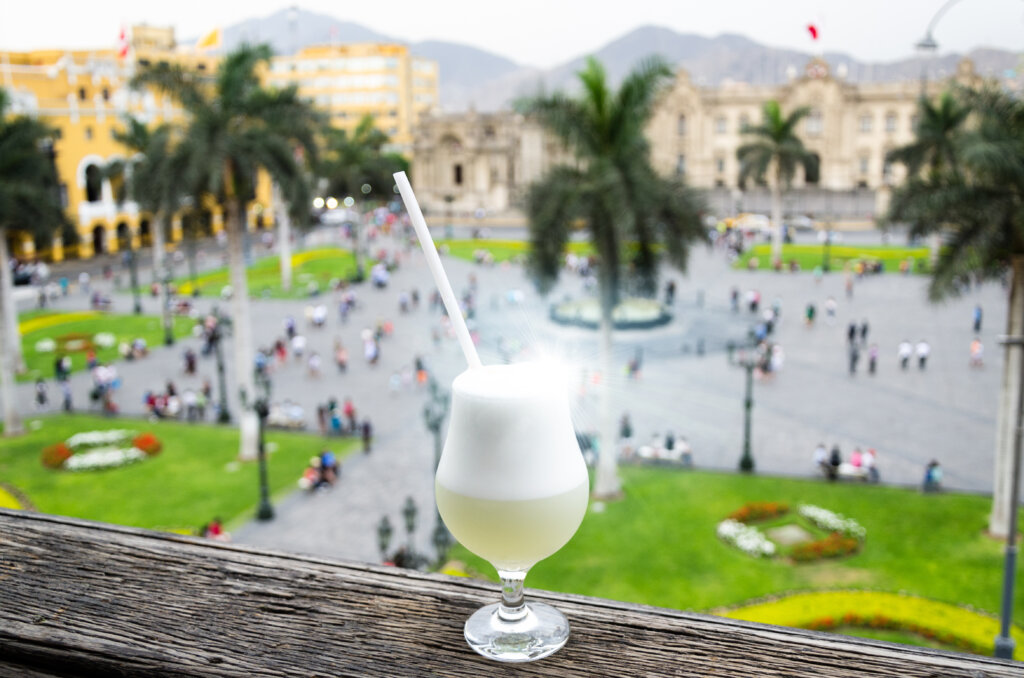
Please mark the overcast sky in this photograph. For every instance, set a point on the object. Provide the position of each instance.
(548, 32)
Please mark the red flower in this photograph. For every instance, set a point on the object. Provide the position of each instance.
(54, 456)
(148, 443)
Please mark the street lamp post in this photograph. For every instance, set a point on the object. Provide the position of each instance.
(434, 413)
(133, 277)
(262, 408)
(748, 362)
(1004, 643)
(165, 281)
(384, 532)
(216, 333)
(409, 513)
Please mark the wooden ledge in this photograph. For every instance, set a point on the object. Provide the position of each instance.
(86, 599)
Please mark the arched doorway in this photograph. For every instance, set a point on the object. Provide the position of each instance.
(205, 223)
(124, 236)
(145, 234)
(99, 239)
(93, 184)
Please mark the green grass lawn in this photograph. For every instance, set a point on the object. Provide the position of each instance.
(811, 256)
(501, 250)
(315, 265)
(42, 324)
(194, 479)
(658, 546)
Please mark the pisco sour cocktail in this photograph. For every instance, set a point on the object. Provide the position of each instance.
(512, 487)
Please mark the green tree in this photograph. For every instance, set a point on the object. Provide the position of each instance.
(154, 181)
(970, 188)
(629, 210)
(29, 202)
(773, 155)
(356, 165)
(236, 128)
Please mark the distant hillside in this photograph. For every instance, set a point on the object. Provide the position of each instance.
(474, 77)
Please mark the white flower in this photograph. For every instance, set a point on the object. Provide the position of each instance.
(46, 346)
(104, 457)
(94, 438)
(827, 520)
(746, 538)
(104, 339)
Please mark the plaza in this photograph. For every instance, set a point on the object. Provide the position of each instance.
(946, 412)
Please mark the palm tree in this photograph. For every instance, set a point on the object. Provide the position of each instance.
(154, 182)
(29, 201)
(628, 209)
(937, 131)
(773, 155)
(355, 164)
(973, 193)
(235, 129)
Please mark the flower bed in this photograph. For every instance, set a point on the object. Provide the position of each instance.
(748, 539)
(952, 625)
(759, 510)
(94, 450)
(833, 522)
(832, 546)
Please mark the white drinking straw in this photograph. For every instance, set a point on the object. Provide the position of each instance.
(437, 270)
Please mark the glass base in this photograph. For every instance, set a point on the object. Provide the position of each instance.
(541, 631)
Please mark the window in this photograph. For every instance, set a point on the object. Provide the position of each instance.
(865, 123)
(681, 165)
(88, 133)
(744, 121)
(814, 123)
(458, 175)
(890, 123)
(720, 124)
(720, 165)
(862, 164)
(681, 126)
(886, 172)
(81, 94)
(913, 122)
(812, 173)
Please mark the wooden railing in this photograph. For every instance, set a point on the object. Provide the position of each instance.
(89, 599)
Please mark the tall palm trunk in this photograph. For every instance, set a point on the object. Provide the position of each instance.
(10, 310)
(999, 520)
(8, 365)
(606, 482)
(776, 216)
(241, 330)
(285, 236)
(160, 275)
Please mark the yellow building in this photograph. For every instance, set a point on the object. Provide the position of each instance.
(84, 95)
(351, 81)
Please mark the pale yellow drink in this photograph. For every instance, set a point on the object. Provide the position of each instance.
(513, 534)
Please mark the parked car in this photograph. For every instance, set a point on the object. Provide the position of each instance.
(800, 222)
(753, 224)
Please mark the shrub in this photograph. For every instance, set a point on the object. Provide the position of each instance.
(54, 456)
(759, 510)
(148, 443)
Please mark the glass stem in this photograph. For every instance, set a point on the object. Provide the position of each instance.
(513, 607)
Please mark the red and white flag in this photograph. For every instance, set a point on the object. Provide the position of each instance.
(123, 45)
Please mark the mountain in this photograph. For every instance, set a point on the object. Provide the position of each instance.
(473, 77)
(310, 28)
(463, 69)
(712, 61)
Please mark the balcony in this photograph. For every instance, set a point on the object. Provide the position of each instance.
(86, 599)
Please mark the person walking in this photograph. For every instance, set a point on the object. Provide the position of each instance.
(864, 332)
(835, 459)
(854, 358)
(977, 318)
(872, 358)
(923, 350)
(851, 333)
(810, 313)
(932, 477)
(904, 352)
(977, 353)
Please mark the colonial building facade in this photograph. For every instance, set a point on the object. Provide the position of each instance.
(474, 161)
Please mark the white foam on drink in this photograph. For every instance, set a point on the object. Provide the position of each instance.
(510, 437)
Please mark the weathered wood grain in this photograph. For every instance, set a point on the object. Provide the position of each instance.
(87, 599)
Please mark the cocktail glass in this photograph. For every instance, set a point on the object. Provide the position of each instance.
(512, 487)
